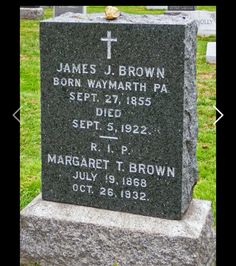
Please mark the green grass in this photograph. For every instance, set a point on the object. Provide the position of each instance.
(206, 149)
(208, 8)
(141, 9)
(30, 165)
(127, 9)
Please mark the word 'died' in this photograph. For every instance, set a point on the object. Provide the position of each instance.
(108, 112)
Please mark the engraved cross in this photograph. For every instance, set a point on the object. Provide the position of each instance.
(109, 40)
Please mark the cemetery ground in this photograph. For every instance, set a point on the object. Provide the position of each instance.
(30, 162)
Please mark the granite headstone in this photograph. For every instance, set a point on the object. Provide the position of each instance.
(118, 113)
(59, 10)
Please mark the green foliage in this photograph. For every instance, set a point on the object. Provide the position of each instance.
(30, 165)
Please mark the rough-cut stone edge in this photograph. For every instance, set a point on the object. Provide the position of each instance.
(63, 234)
(124, 18)
(190, 124)
(31, 13)
(208, 237)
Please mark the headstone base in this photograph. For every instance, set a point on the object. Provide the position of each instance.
(31, 13)
(63, 234)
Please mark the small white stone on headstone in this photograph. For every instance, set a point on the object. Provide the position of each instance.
(157, 7)
(211, 53)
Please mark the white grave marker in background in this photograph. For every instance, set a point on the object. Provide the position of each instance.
(211, 53)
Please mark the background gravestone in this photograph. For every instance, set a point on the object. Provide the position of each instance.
(179, 8)
(157, 7)
(31, 12)
(119, 130)
(211, 53)
(59, 10)
(206, 20)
